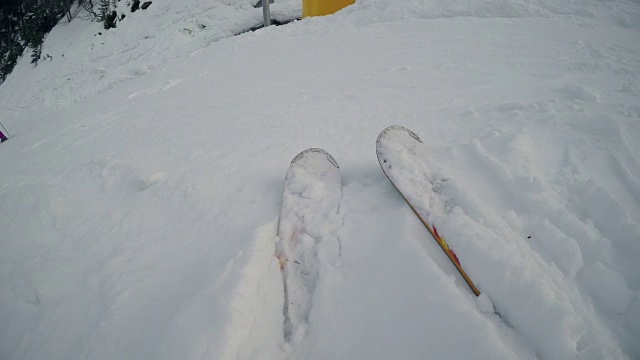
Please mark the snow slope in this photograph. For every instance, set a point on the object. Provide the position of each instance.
(140, 193)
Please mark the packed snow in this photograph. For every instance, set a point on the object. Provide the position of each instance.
(141, 186)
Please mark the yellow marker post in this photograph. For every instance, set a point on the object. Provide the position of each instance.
(323, 7)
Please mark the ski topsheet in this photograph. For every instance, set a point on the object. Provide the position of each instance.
(312, 192)
(402, 156)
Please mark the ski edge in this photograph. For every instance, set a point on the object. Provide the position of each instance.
(318, 150)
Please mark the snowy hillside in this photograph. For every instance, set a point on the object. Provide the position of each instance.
(141, 188)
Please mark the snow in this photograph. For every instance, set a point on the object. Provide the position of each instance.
(141, 188)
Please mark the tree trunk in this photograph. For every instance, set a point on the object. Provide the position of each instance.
(67, 9)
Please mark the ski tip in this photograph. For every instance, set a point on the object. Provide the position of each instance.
(398, 128)
(316, 150)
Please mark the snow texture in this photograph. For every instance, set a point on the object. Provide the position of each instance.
(141, 187)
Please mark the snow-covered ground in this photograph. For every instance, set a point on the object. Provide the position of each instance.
(140, 193)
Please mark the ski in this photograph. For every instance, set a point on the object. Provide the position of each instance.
(312, 191)
(401, 155)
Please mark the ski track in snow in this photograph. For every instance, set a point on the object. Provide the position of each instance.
(139, 192)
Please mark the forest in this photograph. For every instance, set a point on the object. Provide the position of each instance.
(25, 24)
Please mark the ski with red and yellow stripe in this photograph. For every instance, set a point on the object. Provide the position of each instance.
(400, 154)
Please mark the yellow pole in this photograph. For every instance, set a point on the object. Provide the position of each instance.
(323, 7)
